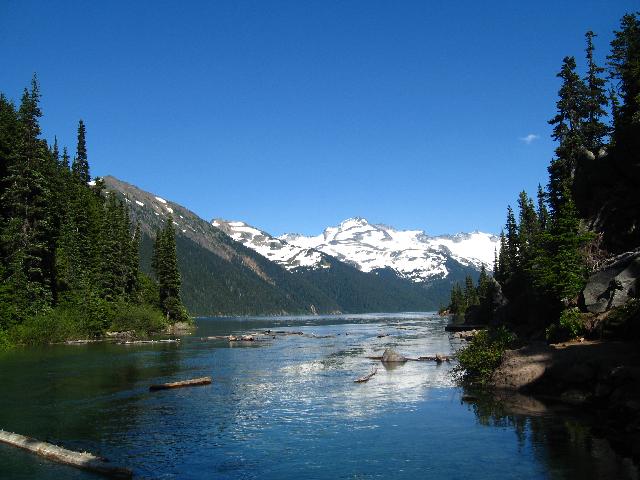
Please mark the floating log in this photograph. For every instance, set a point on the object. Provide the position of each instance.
(82, 460)
(142, 342)
(184, 383)
(365, 378)
(438, 358)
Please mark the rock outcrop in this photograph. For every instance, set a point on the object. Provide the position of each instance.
(523, 367)
(613, 285)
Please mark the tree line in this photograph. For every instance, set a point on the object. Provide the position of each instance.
(69, 251)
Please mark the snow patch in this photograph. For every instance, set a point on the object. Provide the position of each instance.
(140, 203)
(161, 200)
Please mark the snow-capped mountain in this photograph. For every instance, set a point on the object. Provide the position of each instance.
(412, 254)
(277, 250)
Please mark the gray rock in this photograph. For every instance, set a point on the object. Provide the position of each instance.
(391, 356)
(614, 284)
(523, 367)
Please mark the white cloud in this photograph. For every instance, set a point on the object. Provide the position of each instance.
(532, 137)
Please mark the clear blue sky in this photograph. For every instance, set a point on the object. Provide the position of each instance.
(295, 115)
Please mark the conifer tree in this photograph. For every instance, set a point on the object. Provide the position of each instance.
(483, 284)
(470, 293)
(54, 150)
(80, 165)
(595, 130)
(513, 243)
(165, 265)
(65, 159)
(24, 235)
(542, 212)
(568, 131)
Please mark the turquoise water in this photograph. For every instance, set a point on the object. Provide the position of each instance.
(286, 408)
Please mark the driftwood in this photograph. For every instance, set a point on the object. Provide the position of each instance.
(142, 342)
(435, 358)
(185, 383)
(365, 378)
(82, 460)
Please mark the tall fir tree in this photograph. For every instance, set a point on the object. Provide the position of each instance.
(594, 129)
(568, 131)
(165, 265)
(80, 166)
(27, 226)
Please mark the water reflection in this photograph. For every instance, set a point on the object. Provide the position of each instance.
(560, 437)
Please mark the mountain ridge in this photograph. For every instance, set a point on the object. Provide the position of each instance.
(411, 254)
(225, 276)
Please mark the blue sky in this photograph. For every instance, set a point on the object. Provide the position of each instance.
(295, 115)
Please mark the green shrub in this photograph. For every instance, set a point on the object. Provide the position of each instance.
(57, 325)
(479, 359)
(142, 319)
(570, 325)
(5, 342)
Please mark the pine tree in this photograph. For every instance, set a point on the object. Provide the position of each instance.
(513, 242)
(594, 129)
(165, 265)
(542, 212)
(483, 284)
(560, 272)
(25, 231)
(54, 150)
(470, 293)
(503, 266)
(65, 159)
(80, 165)
(568, 131)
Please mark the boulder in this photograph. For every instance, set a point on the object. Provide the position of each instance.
(613, 285)
(523, 367)
(391, 356)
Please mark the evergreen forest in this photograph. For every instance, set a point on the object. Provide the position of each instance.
(70, 253)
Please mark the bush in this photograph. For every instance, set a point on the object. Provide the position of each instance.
(482, 356)
(142, 319)
(5, 342)
(570, 325)
(57, 325)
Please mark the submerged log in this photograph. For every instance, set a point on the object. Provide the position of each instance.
(365, 378)
(184, 383)
(82, 460)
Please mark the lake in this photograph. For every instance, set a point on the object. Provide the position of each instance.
(287, 408)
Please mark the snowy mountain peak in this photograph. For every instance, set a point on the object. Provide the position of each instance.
(412, 254)
(275, 249)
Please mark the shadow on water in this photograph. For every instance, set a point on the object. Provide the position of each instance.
(561, 437)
